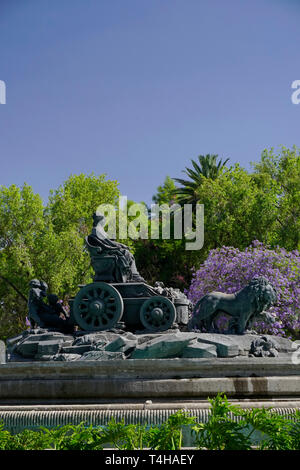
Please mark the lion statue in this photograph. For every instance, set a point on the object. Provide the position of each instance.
(244, 306)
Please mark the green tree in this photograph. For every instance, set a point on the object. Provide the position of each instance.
(283, 169)
(21, 222)
(165, 193)
(73, 203)
(46, 242)
(206, 168)
(237, 210)
(239, 207)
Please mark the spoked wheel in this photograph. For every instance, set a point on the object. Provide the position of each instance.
(157, 313)
(97, 306)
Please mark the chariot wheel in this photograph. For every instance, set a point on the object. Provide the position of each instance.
(97, 306)
(157, 313)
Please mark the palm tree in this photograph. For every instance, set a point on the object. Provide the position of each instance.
(207, 167)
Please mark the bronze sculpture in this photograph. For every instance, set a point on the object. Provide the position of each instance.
(118, 293)
(111, 260)
(243, 306)
(46, 315)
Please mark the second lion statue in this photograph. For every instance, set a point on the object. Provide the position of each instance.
(243, 306)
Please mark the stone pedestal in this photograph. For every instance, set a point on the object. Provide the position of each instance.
(96, 380)
(2, 352)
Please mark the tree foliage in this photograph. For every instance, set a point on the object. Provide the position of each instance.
(46, 242)
(166, 193)
(239, 207)
(206, 168)
(283, 169)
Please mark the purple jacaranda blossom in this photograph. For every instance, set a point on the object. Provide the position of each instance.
(227, 269)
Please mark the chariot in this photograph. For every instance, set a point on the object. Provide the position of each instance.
(102, 306)
(119, 295)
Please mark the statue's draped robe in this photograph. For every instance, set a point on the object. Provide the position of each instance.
(125, 260)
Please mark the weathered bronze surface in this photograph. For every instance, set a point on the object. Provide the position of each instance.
(243, 306)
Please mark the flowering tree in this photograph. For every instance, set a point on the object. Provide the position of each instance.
(228, 269)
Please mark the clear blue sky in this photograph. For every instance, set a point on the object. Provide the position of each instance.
(136, 88)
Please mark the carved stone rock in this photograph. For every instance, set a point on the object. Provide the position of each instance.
(263, 347)
(47, 345)
(163, 347)
(199, 350)
(102, 356)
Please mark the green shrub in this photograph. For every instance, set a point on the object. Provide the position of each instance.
(221, 432)
(228, 428)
